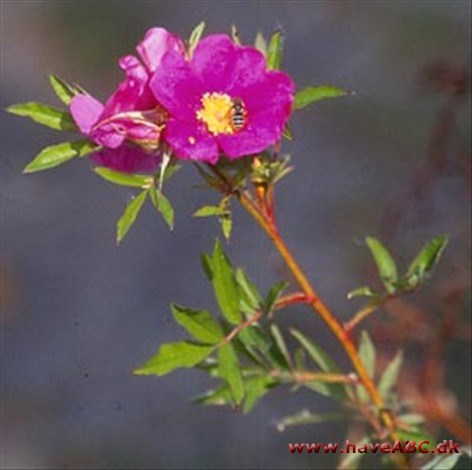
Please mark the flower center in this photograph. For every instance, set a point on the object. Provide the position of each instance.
(216, 113)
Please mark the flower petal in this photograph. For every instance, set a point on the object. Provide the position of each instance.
(86, 111)
(177, 88)
(156, 42)
(127, 159)
(133, 93)
(191, 142)
(275, 90)
(263, 130)
(213, 62)
(249, 69)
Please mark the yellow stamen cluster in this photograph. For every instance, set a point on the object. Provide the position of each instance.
(216, 113)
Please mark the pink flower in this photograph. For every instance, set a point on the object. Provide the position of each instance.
(127, 159)
(132, 112)
(223, 100)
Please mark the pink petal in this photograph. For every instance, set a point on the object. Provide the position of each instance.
(86, 111)
(127, 159)
(190, 142)
(156, 42)
(176, 87)
(213, 61)
(263, 130)
(249, 68)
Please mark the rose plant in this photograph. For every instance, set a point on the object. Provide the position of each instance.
(224, 108)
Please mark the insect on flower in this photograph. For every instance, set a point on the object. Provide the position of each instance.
(238, 114)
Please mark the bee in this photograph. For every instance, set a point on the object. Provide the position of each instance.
(238, 114)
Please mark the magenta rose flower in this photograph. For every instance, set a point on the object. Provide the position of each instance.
(221, 101)
(132, 113)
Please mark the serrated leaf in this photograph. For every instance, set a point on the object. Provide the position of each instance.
(58, 154)
(274, 294)
(63, 90)
(173, 356)
(385, 264)
(228, 369)
(274, 51)
(361, 292)
(249, 295)
(281, 345)
(124, 179)
(195, 36)
(207, 211)
(199, 323)
(390, 375)
(129, 216)
(224, 285)
(45, 115)
(312, 94)
(163, 206)
(260, 43)
(426, 260)
(442, 462)
(305, 418)
(256, 388)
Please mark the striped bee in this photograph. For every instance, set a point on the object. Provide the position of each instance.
(238, 114)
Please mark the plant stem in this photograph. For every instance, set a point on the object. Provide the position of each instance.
(320, 308)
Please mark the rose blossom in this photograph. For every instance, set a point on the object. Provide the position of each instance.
(132, 112)
(223, 100)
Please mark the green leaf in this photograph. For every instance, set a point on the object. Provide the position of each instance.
(390, 375)
(195, 37)
(312, 94)
(305, 418)
(361, 292)
(256, 388)
(207, 266)
(224, 285)
(45, 115)
(63, 90)
(287, 133)
(55, 155)
(124, 179)
(367, 355)
(199, 323)
(129, 216)
(319, 357)
(274, 294)
(220, 396)
(385, 263)
(442, 462)
(228, 370)
(274, 52)
(172, 356)
(207, 211)
(260, 43)
(163, 206)
(421, 267)
(226, 222)
(253, 336)
(249, 295)
(281, 345)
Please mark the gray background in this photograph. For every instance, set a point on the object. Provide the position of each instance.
(78, 313)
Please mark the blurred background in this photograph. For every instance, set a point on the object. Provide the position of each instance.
(78, 313)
